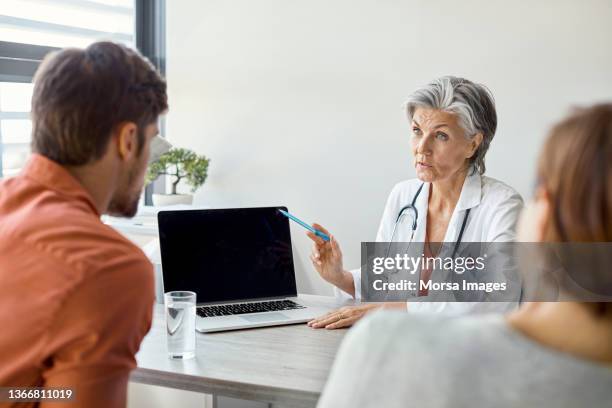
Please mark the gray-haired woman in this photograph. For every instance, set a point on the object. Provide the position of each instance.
(453, 122)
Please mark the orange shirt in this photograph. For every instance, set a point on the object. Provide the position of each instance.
(76, 297)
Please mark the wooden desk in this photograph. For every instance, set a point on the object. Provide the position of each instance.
(283, 365)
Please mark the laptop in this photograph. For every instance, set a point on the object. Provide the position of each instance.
(238, 261)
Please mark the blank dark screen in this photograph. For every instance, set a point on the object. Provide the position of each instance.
(227, 254)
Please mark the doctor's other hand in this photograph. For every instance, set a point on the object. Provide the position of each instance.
(326, 257)
(343, 317)
(348, 315)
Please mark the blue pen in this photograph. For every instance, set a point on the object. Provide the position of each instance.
(303, 224)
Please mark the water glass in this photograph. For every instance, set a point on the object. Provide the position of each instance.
(180, 324)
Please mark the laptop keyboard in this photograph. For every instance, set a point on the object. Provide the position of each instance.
(243, 308)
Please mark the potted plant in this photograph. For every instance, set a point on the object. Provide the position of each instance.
(180, 164)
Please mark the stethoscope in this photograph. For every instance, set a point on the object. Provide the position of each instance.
(415, 216)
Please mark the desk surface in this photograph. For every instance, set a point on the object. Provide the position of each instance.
(285, 365)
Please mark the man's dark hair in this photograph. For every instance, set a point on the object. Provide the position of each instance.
(81, 96)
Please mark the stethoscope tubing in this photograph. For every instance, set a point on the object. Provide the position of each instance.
(415, 212)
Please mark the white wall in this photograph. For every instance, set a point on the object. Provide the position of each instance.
(299, 102)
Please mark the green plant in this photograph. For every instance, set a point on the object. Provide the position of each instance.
(180, 164)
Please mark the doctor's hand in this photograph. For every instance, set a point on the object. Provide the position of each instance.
(348, 315)
(343, 317)
(326, 258)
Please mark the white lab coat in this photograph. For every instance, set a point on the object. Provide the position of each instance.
(495, 208)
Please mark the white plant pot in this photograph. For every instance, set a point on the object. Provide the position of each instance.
(160, 200)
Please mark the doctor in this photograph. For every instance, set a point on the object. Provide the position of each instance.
(453, 121)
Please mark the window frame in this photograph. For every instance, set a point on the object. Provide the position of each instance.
(151, 42)
(19, 62)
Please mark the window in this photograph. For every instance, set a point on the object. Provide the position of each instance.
(29, 29)
(65, 23)
(15, 126)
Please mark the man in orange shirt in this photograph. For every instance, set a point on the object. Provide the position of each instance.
(75, 296)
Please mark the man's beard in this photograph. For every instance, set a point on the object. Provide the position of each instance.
(126, 204)
(125, 207)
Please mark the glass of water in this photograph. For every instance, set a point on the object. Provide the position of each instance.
(180, 323)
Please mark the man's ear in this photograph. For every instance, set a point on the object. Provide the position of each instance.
(474, 144)
(127, 140)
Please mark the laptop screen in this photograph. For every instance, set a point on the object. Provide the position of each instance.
(227, 254)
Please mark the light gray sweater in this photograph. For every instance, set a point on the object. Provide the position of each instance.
(394, 359)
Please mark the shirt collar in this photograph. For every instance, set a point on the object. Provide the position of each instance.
(471, 191)
(470, 196)
(55, 177)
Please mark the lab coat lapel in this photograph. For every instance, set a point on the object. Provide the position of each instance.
(469, 198)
